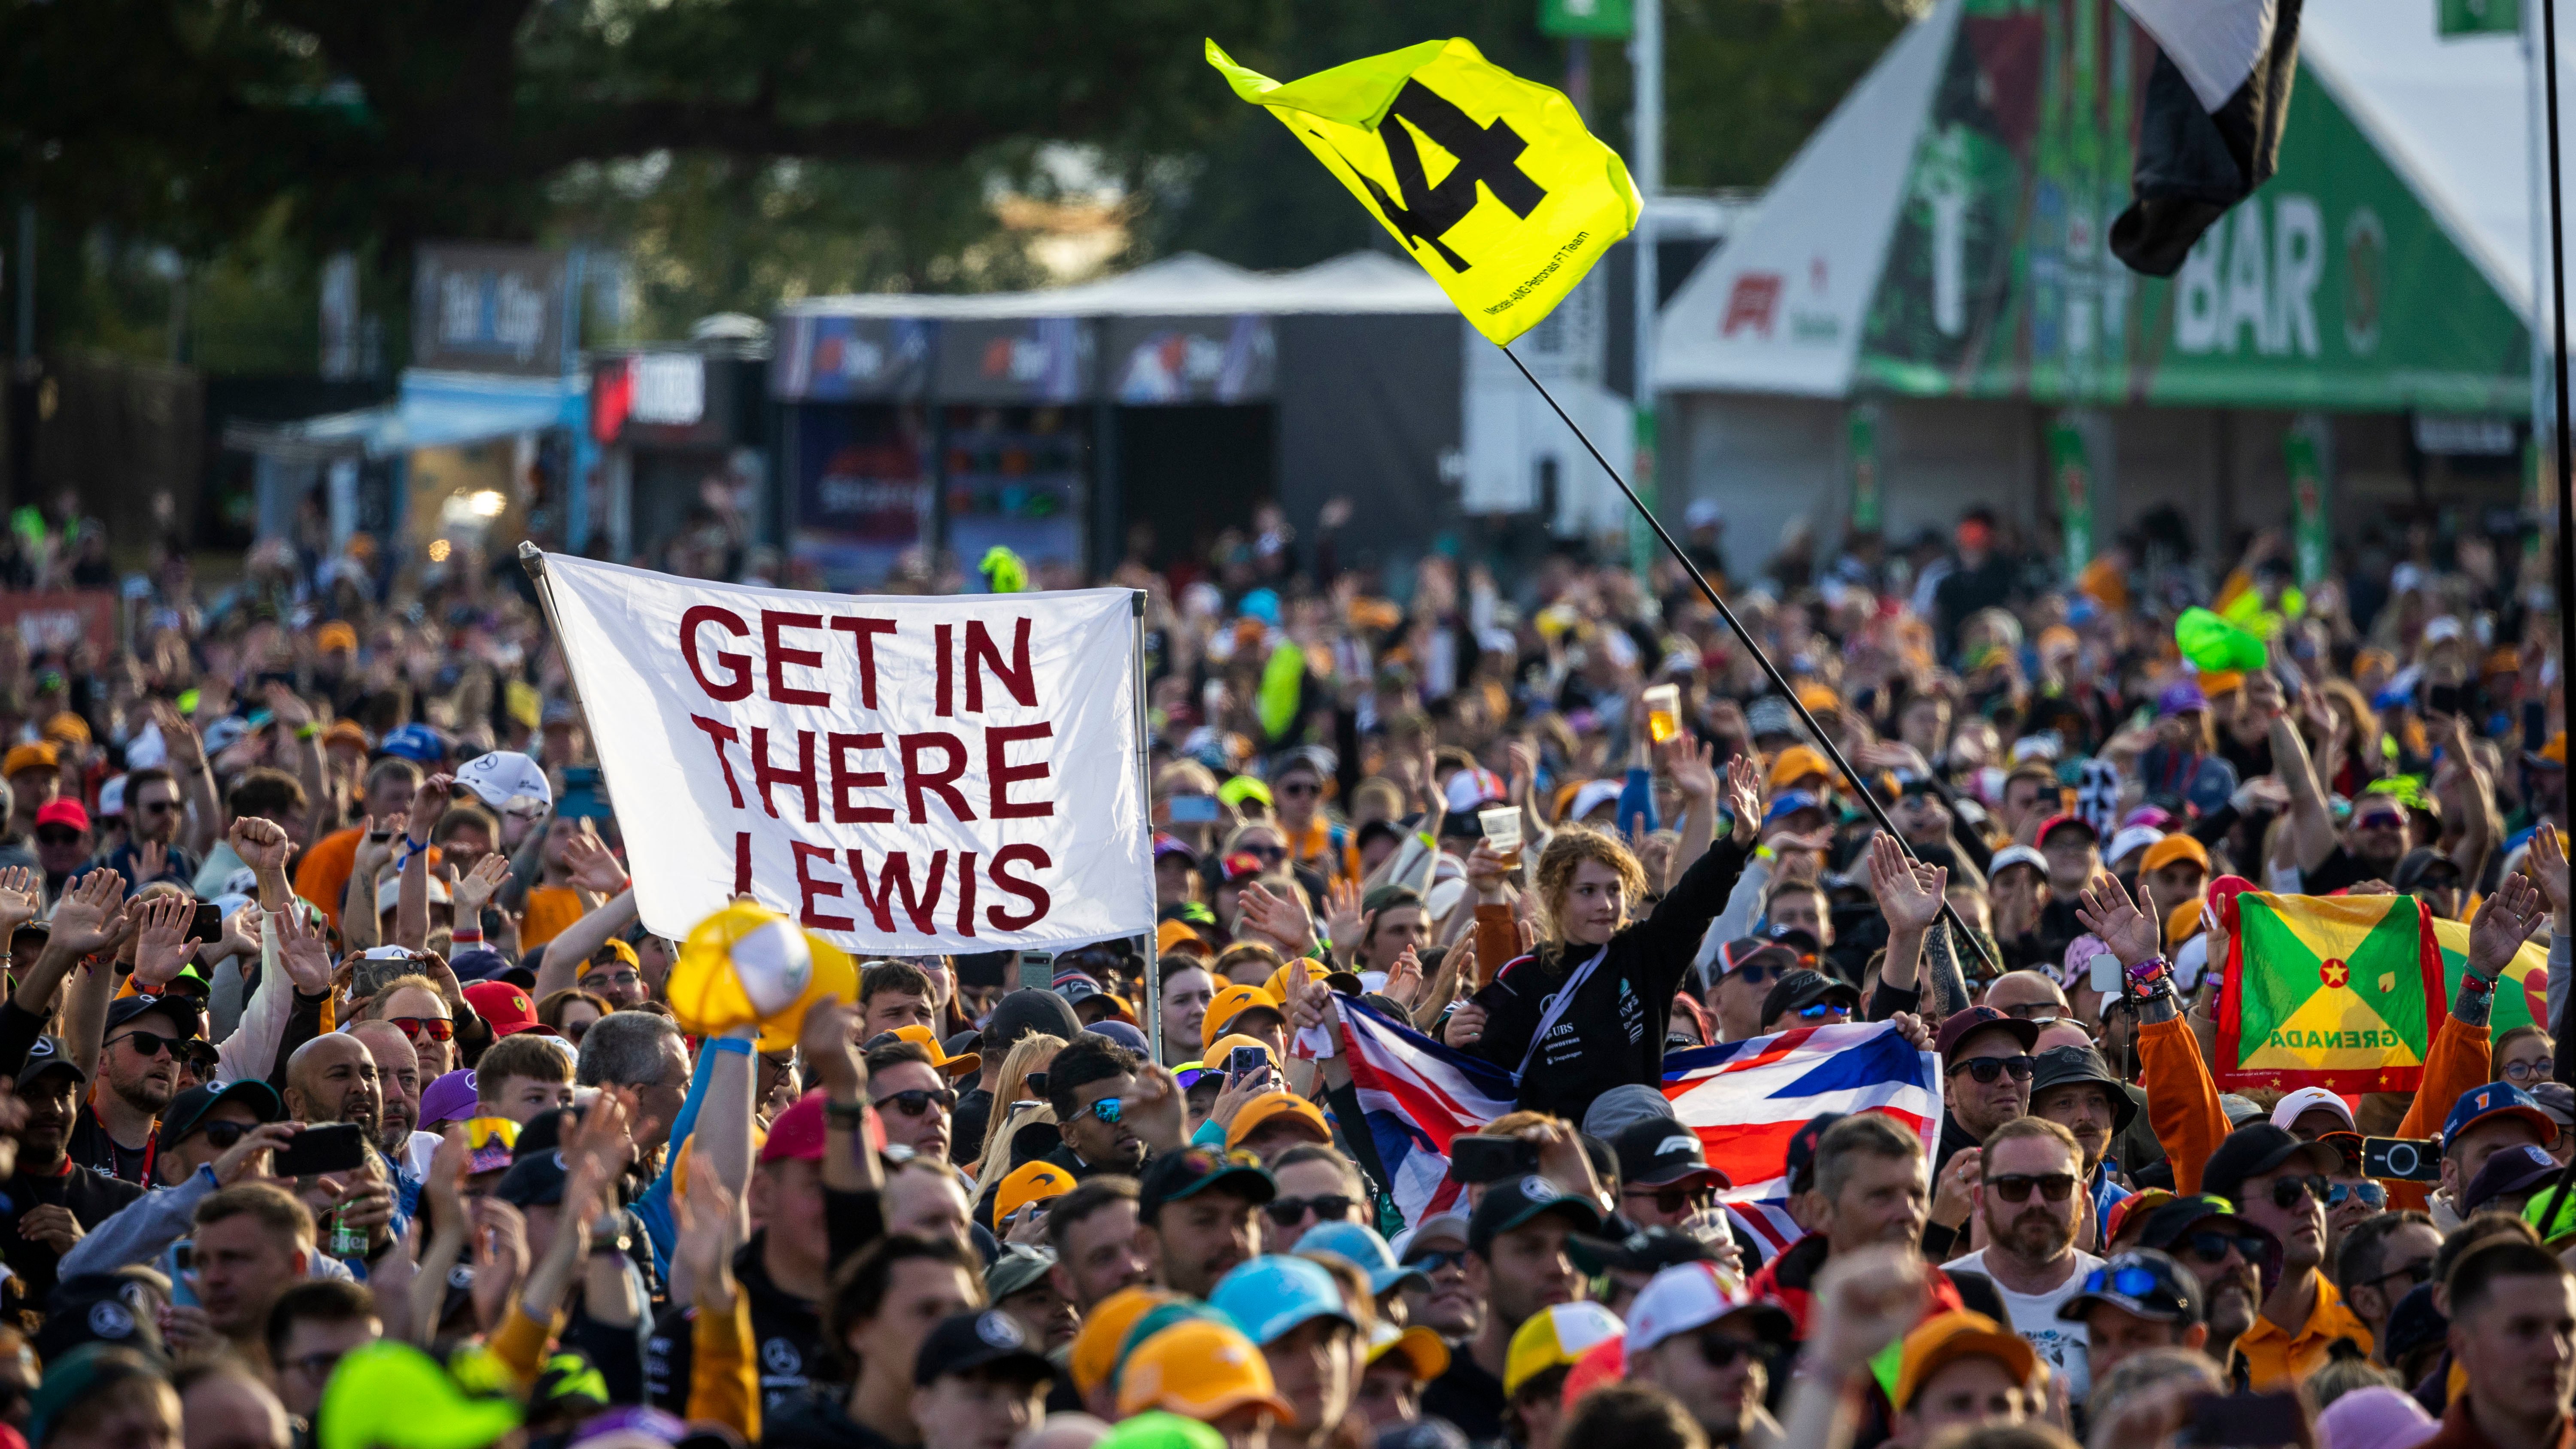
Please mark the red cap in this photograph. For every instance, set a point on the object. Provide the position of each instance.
(797, 1135)
(63, 812)
(505, 1006)
(2055, 823)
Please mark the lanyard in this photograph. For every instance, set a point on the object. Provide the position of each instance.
(1556, 1007)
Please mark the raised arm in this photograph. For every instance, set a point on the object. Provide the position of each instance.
(411, 897)
(88, 919)
(595, 870)
(1909, 895)
(187, 760)
(292, 712)
(2311, 824)
(1688, 762)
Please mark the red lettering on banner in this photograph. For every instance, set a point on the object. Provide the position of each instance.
(1026, 890)
(1016, 676)
(862, 634)
(1000, 774)
(741, 862)
(943, 782)
(939, 634)
(808, 888)
(896, 879)
(780, 656)
(846, 810)
(740, 686)
(966, 894)
(765, 774)
(719, 736)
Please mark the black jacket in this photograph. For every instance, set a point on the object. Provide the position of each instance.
(93, 1198)
(1613, 1033)
(787, 1339)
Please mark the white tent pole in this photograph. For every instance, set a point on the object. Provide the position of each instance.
(1646, 143)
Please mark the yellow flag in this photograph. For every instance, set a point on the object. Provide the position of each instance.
(1489, 180)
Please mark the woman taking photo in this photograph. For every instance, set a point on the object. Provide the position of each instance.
(1588, 1010)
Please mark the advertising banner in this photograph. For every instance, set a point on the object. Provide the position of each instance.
(503, 309)
(899, 774)
(57, 622)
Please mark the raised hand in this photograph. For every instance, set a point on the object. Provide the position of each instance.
(428, 805)
(162, 948)
(1744, 797)
(187, 753)
(1908, 892)
(1689, 763)
(1282, 920)
(261, 844)
(2127, 927)
(303, 950)
(1342, 916)
(1486, 873)
(288, 707)
(1865, 1300)
(22, 897)
(824, 1044)
(706, 1241)
(593, 868)
(1466, 1026)
(374, 854)
(474, 890)
(2504, 921)
(151, 860)
(89, 917)
(1404, 979)
(2547, 863)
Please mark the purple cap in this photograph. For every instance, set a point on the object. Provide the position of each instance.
(2181, 697)
(481, 963)
(449, 1099)
(2377, 1417)
(1121, 1033)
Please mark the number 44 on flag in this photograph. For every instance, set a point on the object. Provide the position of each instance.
(1490, 181)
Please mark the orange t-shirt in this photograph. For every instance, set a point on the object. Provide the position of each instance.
(322, 877)
(551, 909)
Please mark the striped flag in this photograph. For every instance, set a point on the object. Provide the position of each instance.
(1415, 1094)
(2210, 131)
(1746, 1099)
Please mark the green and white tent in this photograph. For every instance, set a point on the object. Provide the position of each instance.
(1937, 253)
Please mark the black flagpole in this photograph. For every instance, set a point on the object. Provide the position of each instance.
(1779, 681)
(2564, 1066)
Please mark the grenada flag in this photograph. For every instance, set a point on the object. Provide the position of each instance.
(2340, 992)
(2522, 993)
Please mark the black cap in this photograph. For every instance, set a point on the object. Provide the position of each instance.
(1960, 1025)
(2507, 1171)
(2062, 1066)
(1658, 1151)
(188, 1109)
(1647, 1250)
(1171, 1176)
(2414, 1323)
(2420, 863)
(49, 1054)
(1031, 1008)
(990, 1341)
(98, 1308)
(185, 1011)
(1797, 939)
(2169, 1224)
(1516, 1201)
(2257, 1148)
(2144, 1282)
(533, 1181)
(1802, 1148)
(1797, 990)
(1752, 951)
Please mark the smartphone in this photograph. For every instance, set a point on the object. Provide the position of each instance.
(179, 1265)
(2445, 699)
(1037, 970)
(2404, 1159)
(329, 1147)
(1245, 1061)
(209, 924)
(2106, 973)
(1193, 809)
(2246, 1421)
(1491, 1159)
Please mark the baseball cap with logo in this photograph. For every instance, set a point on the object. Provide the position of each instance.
(1517, 1202)
(506, 779)
(1274, 1295)
(2494, 1100)
(1691, 1296)
(989, 1342)
(1660, 1152)
(2141, 1282)
(1199, 1369)
(97, 1308)
(1946, 1338)
(1554, 1337)
(1028, 1183)
(506, 1007)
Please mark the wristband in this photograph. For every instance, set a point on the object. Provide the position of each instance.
(2471, 980)
(2148, 974)
(307, 731)
(467, 938)
(739, 1046)
(850, 1115)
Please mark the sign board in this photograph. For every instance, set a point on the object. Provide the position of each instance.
(492, 309)
(1586, 19)
(1164, 360)
(1015, 360)
(900, 774)
(851, 359)
(59, 621)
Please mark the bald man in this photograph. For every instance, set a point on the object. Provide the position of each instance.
(333, 1078)
(223, 1407)
(397, 1134)
(2028, 995)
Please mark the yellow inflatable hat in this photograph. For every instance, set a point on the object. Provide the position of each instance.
(747, 965)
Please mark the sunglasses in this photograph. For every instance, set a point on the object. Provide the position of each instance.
(222, 1135)
(1669, 1200)
(438, 1027)
(1432, 1260)
(152, 1044)
(58, 837)
(156, 807)
(1271, 853)
(2042, 1012)
(2372, 1195)
(2286, 1191)
(2379, 820)
(1288, 1212)
(1719, 1351)
(2415, 1273)
(1821, 1010)
(1108, 1109)
(2134, 1283)
(1299, 789)
(1986, 1069)
(1756, 975)
(2016, 1186)
(2213, 1247)
(919, 1100)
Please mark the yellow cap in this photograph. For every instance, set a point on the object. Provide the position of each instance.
(1029, 1182)
(66, 725)
(924, 1038)
(1270, 1106)
(1277, 985)
(747, 965)
(2215, 682)
(335, 635)
(30, 757)
(1199, 1370)
(836, 977)
(1094, 1350)
(1796, 763)
(1554, 1337)
(1177, 935)
(2177, 846)
(1819, 696)
(1417, 1345)
(1938, 1342)
(2182, 923)
(1219, 1050)
(1230, 1003)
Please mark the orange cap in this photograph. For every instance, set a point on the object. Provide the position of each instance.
(1796, 763)
(66, 725)
(1270, 1106)
(1094, 1350)
(1230, 1003)
(2177, 846)
(1199, 1370)
(2182, 923)
(30, 757)
(1942, 1340)
(940, 1061)
(1029, 1182)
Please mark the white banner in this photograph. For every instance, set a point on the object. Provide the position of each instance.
(900, 774)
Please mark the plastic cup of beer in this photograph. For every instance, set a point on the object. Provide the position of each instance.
(1502, 827)
(1663, 712)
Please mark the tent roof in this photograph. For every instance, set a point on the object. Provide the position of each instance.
(1185, 285)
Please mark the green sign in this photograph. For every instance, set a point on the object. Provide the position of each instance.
(2070, 467)
(1861, 440)
(2312, 532)
(2331, 287)
(2481, 17)
(1592, 19)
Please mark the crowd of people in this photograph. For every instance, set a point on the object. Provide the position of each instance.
(345, 1105)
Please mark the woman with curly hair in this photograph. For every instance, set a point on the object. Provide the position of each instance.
(1589, 1009)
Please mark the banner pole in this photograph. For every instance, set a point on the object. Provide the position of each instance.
(1779, 681)
(1153, 993)
(2563, 1066)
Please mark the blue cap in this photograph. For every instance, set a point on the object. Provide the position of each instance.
(417, 743)
(1790, 802)
(1273, 1295)
(1362, 1248)
(2496, 1099)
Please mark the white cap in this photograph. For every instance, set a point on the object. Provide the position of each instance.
(2309, 1099)
(1591, 795)
(1702, 512)
(2191, 963)
(1437, 1228)
(2136, 837)
(502, 776)
(111, 797)
(1680, 1299)
(391, 891)
(2012, 855)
